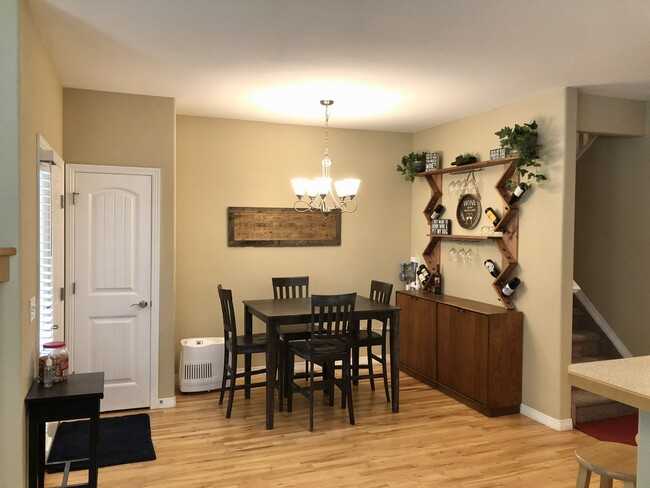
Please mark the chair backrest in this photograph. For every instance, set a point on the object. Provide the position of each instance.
(331, 315)
(290, 287)
(228, 310)
(380, 291)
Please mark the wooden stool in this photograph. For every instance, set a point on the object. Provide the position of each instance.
(611, 460)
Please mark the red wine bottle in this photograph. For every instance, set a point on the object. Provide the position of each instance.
(437, 281)
(519, 191)
(509, 289)
(491, 267)
(437, 212)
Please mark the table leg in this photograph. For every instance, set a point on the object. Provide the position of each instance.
(36, 454)
(248, 363)
(394, 360)
(272, 343)
(93, 447)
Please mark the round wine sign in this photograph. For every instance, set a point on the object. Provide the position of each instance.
(468, 212)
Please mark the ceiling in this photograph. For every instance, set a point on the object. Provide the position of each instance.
(388, 65)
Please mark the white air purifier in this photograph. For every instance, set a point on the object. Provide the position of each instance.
(201, 364)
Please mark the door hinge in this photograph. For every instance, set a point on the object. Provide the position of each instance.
(62, 201)
(74, 288)
(62, 295)
(74, 197)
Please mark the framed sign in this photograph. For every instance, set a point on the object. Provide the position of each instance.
(468, 212)
(278, 227)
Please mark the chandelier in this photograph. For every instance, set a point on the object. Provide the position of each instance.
(316, 195)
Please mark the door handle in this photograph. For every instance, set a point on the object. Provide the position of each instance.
(141, 304)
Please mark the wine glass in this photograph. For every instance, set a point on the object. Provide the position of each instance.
(469, 256)
(453, 254)
(462, 254)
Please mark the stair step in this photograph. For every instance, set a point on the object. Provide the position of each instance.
(587, 406)
(585, 336)
(589, 359)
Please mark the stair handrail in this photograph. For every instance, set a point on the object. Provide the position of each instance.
(600, 321)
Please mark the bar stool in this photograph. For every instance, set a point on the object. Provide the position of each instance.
(611, 460)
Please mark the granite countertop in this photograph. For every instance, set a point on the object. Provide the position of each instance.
(625, 380)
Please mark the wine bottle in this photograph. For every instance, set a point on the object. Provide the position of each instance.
(491, 267)
(423, 274)
(437, 281)
(519, 191)
(492, 216)
(437, 212)
(509, 289)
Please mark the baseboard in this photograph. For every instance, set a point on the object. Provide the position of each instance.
(165, 403)
(560, 425)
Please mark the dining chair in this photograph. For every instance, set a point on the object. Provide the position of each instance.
(329, 342)
(236, 345)
(368, 337)
(283, 288)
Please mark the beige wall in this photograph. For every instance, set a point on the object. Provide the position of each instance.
(224, 163)
(31, 103)
(545, 236)
(612, 234)
(611, 116)
(132, 130)
(12, 443)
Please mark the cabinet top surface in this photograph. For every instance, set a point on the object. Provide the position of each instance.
(472, 305)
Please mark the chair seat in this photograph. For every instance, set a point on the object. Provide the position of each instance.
(322, 347)
(292, 330)
(252, 343)
(610, 460)
(364, 336)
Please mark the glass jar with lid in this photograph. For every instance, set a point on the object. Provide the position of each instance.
(58, 352)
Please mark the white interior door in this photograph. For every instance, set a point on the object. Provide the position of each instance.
(112, 281)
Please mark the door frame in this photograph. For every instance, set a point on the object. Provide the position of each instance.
(71, 170)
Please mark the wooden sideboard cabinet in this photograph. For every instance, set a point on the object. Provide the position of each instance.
(418, 336)
(477, 357)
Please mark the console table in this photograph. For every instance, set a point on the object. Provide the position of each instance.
(76, 398)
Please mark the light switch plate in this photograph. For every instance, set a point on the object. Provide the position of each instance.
(32, 309)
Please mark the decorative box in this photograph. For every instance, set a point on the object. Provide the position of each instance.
(441, 227)
(499, 153)
(432, 161)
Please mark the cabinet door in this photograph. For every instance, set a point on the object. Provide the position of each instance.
(418, 335)
(463, 351)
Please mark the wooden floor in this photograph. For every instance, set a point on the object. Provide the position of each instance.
(433, 441)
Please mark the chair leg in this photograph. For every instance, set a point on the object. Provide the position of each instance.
(606, 482)
(289, 386)
(371, 373)
(348, 391)
(584, 477)
(311, 394)
(280, 376)
(233, 380)
(224, 375)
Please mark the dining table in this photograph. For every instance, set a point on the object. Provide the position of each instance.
(275, 312)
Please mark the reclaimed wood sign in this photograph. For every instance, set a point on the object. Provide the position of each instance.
(277, 227)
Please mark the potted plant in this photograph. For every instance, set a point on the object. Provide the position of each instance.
(522, 141)
(411, 165)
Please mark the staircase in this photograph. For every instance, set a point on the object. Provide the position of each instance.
(591, 344)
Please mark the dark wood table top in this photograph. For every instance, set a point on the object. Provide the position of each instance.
(76, 386)
(301, 307)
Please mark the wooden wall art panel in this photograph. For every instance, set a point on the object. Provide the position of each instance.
(278, 227)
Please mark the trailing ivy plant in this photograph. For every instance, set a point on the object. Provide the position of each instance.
(522, 141)
(411, 165)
